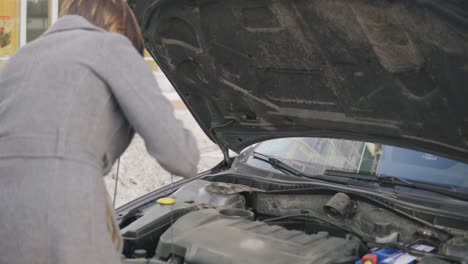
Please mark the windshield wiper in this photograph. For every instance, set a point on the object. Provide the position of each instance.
(285, 168)
(398, 181)
(381, 179)
(277, 164)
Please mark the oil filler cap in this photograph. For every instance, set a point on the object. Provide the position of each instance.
(166, 201)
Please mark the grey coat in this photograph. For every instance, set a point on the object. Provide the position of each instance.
(69, 103)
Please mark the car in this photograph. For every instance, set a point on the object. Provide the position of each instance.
(348, 119)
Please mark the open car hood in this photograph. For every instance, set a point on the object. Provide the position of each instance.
(393, 72)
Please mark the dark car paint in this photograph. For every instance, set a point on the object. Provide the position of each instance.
(392, 72)
(172, 32)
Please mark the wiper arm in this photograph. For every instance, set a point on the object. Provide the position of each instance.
(359, 176)
(398, 181)
(282, 166)
(277, 164)
(393, 180)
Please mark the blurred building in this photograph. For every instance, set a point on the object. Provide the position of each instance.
(22, 21)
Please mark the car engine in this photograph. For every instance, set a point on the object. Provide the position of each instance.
(231, 236)
(212, 222)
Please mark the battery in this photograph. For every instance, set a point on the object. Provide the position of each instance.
(399, 256)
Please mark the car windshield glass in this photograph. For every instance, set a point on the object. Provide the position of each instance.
(314, 156)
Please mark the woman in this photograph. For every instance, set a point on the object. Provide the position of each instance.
(69, 103)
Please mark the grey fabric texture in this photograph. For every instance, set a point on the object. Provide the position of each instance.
(70, 102)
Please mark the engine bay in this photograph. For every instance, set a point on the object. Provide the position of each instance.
(216, 222)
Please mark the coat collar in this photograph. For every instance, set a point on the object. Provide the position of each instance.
(72, 22)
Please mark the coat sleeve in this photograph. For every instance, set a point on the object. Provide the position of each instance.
(151, 115)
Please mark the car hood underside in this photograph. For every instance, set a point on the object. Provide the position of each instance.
(393, 72)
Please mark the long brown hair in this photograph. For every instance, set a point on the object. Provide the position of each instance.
(111, 15)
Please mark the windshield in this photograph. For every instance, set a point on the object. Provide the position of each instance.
(315, 155)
